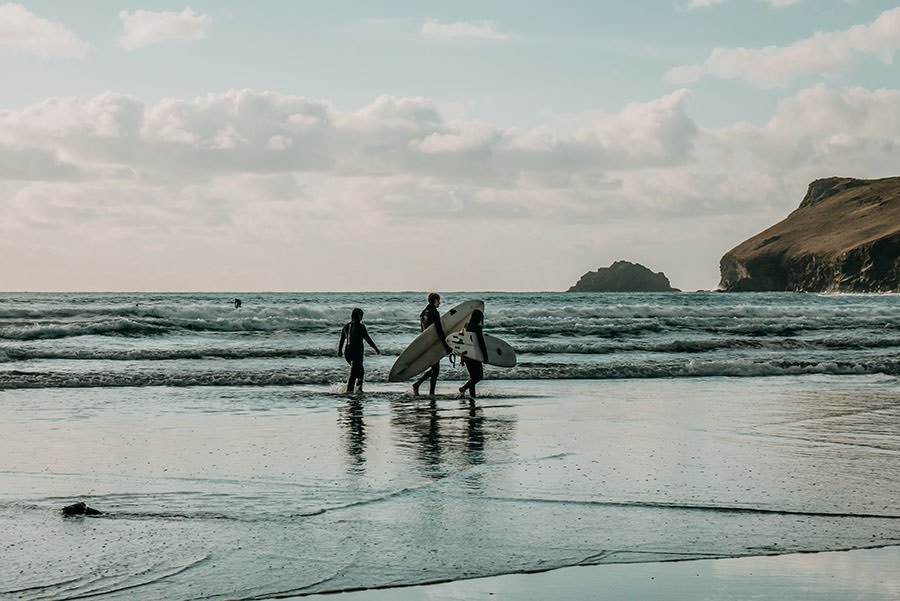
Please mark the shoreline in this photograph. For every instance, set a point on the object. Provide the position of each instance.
(255, 493)
(806, 576)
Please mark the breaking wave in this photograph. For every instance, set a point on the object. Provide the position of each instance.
(288, 339)
(524, 371)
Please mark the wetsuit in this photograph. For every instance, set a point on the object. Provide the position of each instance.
(476, 368)
(355, 333)
(431, 315)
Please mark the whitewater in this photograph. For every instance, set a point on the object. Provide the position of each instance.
(59, 340)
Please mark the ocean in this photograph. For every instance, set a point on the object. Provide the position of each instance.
(86, 340)
(635, 428)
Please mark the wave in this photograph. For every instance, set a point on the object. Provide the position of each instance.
(739, 368)
(9, 354)
(706, 345)
(50, 379)
(18, 379)
(506, 316)
(25, 324)
(547, 346)
(133, 328)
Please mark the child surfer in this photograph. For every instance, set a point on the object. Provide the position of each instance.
(354, 332)
(476, 368)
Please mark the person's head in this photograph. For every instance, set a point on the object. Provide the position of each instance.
(434, 299)
(477, 316)
(356, 314)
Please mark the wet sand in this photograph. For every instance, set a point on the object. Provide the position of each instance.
(240, 493)
(860, 575)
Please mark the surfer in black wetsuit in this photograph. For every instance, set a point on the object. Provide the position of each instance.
(354, 333)
(476, 368)
(428, 316)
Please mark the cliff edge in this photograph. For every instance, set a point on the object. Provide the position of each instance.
(844, 237)
(623, 276)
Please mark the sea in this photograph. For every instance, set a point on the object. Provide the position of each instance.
(228, 463)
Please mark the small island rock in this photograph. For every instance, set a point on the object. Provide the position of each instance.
(623, 276)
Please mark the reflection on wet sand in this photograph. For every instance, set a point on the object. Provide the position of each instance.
(350, 417)
(447, 438)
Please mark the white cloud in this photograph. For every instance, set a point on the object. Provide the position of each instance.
(463, 29)
(242, 133)
(704, 3)
(279, 143)
(254, 175)
(239, 130)
(143, 28)
(828, 52)
(22, 29)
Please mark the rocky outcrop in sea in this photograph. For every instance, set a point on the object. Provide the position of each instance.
(623, 276)
(844, 237)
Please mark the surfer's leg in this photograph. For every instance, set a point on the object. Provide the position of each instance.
(435, 370)
(356, 373)
(418, 382)
(350, 381)
(476, 374)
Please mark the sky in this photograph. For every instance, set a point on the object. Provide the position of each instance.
(369, 146)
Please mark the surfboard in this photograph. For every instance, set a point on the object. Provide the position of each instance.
(465, 344)
(427, 349)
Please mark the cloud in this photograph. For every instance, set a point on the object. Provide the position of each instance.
(243, 131)
(650, 156)
(486, 30)
(22, 29)
(828, 52)
(254, 175)
(704, 3)
(821, 131)
(143, 28)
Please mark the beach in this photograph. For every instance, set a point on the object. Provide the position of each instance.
(862, 575)
(246, 493)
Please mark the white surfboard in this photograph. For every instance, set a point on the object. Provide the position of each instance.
(427, 349)
(465, 344)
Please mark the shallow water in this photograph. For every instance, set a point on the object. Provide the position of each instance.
(257, 491)
(120, 340)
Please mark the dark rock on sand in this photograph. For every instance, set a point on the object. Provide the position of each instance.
(844, 237)
(623, 276)
(80, 509)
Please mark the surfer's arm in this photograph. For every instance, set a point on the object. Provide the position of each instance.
(341, 343)
(369, 340)
(481, 344)
(441, 335)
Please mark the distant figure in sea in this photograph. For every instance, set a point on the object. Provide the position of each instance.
(428, 316)
(354, 332)
(475, 368)
(237, 303)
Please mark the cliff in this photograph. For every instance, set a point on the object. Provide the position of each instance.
(844, 236)
(623, 276)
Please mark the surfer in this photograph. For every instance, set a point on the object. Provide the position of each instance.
(237, 303)
(428, 316)
(475, 368)
(354, 332)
